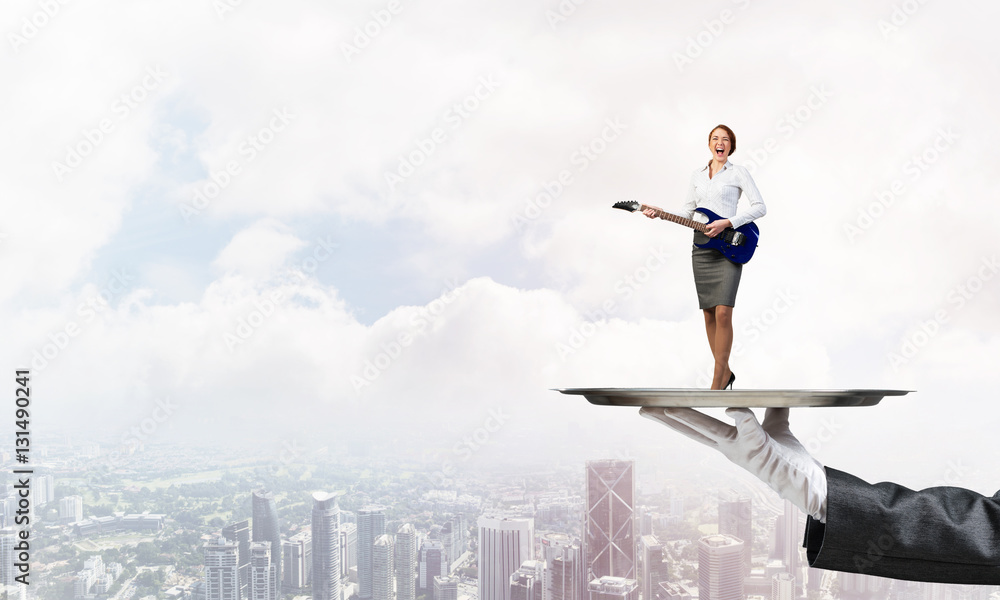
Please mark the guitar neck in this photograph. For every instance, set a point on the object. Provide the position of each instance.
(675, 219)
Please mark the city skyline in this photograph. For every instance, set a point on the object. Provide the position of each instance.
(547, 565)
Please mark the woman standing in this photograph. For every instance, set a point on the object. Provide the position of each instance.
(718, 187)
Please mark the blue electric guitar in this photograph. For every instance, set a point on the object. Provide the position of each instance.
(737, 244)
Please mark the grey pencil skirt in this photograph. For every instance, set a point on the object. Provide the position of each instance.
(716, 278)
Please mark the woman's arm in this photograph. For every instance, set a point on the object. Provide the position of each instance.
(757, 208)
(691, 200)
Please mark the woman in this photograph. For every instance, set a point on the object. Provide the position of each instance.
(718, 187)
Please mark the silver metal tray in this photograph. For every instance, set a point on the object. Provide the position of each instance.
(700, 398)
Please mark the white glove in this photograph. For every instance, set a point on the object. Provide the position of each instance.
(770, 452)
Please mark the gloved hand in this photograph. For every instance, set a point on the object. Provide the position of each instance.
(770, 452)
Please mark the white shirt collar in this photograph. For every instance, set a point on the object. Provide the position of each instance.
(724, 167)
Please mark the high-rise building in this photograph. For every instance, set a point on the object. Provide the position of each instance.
(296, 560)
(325, 547)
(383, 570)
(348, 550)
(609, 540)
(504, 543)
(644, 519)
(7, 541)
(669, 590)
(458, 533)
(432, 562)
(50, 488)
(263, 575)
(720, 568)
(736, 519)
(676, 505)
(239, 532)
(371, 524)
(267, 529)
(814, 579)
(528, 582)
(856, 586)
(406, 563)
(791, 538)
(71, 509)
(445, 588)
(613, 588)
(452, 538)
(39, 491)
(782, 586)
(222, 580)
(563, 567)
(653, 569)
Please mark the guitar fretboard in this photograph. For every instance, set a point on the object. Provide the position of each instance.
(675, 219)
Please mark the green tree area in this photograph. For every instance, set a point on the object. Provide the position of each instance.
(61, 589)
(149, 583)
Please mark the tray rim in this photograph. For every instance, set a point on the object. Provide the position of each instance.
(749, 398)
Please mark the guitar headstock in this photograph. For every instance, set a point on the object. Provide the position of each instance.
(630, 205)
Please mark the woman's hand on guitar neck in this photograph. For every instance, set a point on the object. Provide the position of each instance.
(650, 211)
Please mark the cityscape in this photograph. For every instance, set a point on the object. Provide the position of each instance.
(130, 523)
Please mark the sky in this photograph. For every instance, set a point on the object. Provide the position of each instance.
(389, 222)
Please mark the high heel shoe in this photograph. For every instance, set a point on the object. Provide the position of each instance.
(732, 378)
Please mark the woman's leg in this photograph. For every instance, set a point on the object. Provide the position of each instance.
(710, 327)
(723, 344)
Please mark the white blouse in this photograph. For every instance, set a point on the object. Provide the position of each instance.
(721, 194)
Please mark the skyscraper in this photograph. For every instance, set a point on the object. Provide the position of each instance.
(563, 567)
(668, 590)
(856, 586)
(348, 550)
(613, 588)
(296, 560)
(504, 543)
(782, 586)
(221, 570)
(263, 576)
(445, 588)
(528, 582)
(791, 538)
(371, 524)
(325, 547)
(7, 541)
(609, 540)
(383, 569)
(720, 568)
(239, 532)
(653, 568)
(266, 528)
(71, 509)
(406, 563)
(458, 532)
(432, 563)
(736, 519)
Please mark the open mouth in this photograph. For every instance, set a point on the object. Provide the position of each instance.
(719, 151)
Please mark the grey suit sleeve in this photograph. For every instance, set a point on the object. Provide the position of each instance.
(943, 534)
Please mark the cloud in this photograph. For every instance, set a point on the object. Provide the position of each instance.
(262, 124)
(259, 249)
